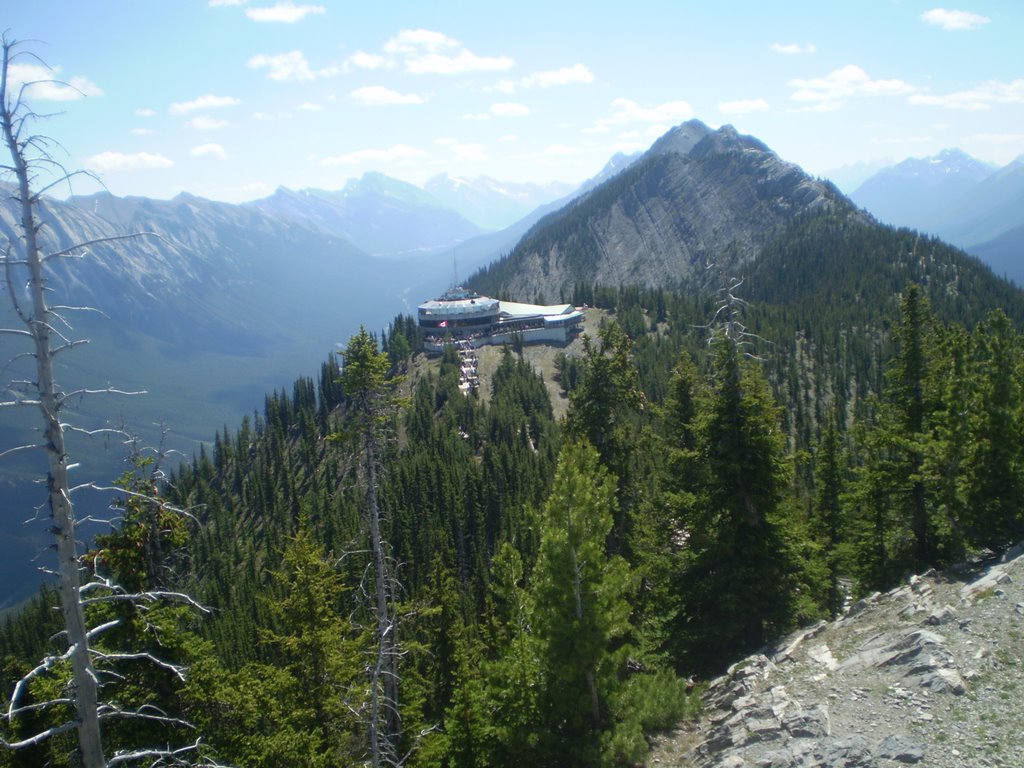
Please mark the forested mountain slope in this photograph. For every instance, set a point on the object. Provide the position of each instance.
(705, 529)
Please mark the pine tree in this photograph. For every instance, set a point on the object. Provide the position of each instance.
(581, 611)
(828, 523)
(368, 389)
(740, 572)
(302, 710)
(601, 408)
(995, 461)
(898, 529)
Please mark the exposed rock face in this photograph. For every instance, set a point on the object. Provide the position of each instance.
(696, 196)
(929, 673)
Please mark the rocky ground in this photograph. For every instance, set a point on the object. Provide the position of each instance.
(930, 674)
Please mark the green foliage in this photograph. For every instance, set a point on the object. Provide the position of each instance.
(303, 709)
(147, 641)
(602, 410)
(738, 570)
(581, 608)
(828, 525)
(993, 461)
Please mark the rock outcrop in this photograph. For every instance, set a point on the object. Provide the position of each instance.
(930, 674)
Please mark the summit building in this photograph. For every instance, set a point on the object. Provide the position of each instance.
(462, 315)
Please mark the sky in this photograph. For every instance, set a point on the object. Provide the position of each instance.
(229, 99)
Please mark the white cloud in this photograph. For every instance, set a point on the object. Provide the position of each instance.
(465, 61)
(423, 52)
(267, 116)
(954, 20)
(219, 3)
(792, 49)
(577, 73)
(119, 161)
(412, 42)
(509, 109)
(829, 92)
(982, 97)
(743, 107)
(209, 101)
(391, 154)
(309, 106)
(627, 111)
(378, 95)
(204, 123)
(364, 60)
(144, 112)
(47, 85)
(286, 12)
(208, 150)
(508, 137)
(289, 67)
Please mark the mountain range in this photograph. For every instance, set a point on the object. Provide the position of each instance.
(212, 305)
(968, 203)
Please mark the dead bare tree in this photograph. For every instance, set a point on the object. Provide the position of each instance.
(41, 326)
(365, 382)
(46, 330)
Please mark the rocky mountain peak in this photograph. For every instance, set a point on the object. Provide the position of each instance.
(681, 139)
(696, 196)
(728, 139)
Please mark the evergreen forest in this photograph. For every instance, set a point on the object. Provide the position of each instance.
(380, 569)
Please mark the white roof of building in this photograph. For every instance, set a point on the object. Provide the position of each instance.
(516, 309)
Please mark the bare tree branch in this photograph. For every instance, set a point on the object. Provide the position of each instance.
(176, 670)
(20, 448)
(99, 240)
(39, 737)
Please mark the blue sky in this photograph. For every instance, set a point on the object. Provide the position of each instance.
(228, 100)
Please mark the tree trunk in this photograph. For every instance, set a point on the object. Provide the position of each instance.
(385, 727)
(595, 701)
(39, 321)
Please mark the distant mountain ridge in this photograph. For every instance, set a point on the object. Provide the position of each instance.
(916, 192)
(971, 204)
(493, 204)
(379, 215)
(384, 216)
